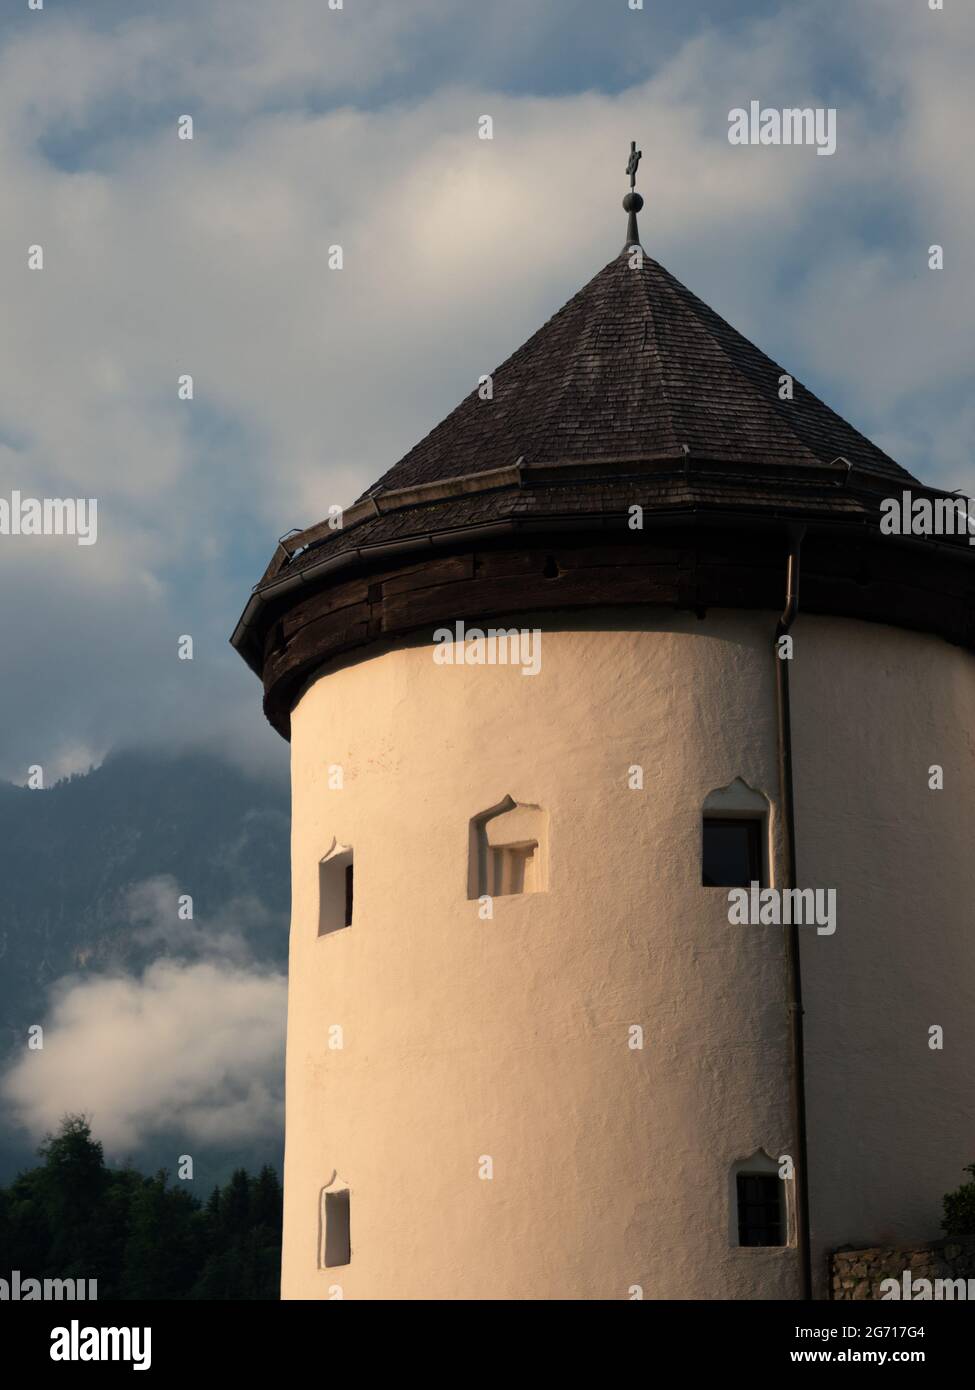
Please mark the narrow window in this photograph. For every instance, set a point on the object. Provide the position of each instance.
(335, 890)
(731, 852)
(760, 1209)
(734, 837)
(338, 1241)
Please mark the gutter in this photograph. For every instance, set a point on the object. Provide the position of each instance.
(797, 1064)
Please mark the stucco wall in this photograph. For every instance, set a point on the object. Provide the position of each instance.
(509, 1037)
(891, 1121)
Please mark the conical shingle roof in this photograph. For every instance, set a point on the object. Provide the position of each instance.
(635, 365)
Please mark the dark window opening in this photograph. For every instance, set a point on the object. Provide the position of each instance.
(731, 854)
(348, 895)
(759, 1209)
(338, 1241)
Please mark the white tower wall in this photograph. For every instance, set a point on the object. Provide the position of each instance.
(508, 1038)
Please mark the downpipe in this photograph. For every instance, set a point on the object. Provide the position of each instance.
(797, 1066)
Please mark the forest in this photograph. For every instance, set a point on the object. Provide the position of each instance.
(72, 1217)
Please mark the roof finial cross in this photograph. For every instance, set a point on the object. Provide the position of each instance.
(632, 203)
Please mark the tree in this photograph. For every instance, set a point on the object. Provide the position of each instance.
(959, 1208)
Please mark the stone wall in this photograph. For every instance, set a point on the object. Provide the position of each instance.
(857, 1274)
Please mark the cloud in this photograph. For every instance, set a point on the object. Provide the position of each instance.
(193, 1045)
(151, 908)
(189, 1047)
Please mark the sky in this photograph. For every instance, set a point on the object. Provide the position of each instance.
(358, 127)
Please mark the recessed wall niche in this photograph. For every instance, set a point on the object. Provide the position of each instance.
(335, 889)
(508, 850)
(760, 1203)
(334, 1233)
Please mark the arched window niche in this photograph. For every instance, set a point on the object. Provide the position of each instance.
(735, 837)
(508, 850)
(760, 1203)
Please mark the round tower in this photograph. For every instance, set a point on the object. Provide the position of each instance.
(612, 673)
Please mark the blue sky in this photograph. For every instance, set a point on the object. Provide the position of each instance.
(358, 127)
